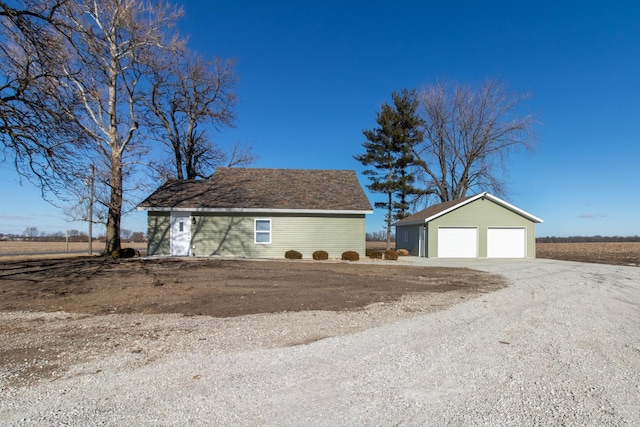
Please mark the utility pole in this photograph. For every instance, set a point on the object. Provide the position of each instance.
(92, 183)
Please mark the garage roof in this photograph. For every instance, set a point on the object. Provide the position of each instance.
(435, 211)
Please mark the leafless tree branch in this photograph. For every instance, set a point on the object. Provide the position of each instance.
(193, 98)
(469, 134)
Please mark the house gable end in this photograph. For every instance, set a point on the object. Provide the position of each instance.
(433, 212)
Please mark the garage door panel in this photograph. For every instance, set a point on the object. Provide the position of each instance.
(506, 242)
(457, 242)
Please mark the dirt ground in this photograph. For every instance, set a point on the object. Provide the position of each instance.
(101, 306)
(219, 288)
(59, 314)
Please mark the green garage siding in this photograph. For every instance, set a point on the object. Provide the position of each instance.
(158, 233)
(233, 235)
(472, 226)
(481, 213)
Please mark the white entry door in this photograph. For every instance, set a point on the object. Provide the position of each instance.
(180, 234)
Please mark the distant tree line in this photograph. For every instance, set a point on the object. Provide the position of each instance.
(32, 234)
(379, 236)
(588, 239)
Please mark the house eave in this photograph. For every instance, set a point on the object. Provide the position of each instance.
(405, 224)
(257, 210)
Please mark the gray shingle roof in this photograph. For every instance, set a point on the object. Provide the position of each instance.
(264, 189)
(431, 211)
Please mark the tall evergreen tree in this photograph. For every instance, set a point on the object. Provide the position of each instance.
(389, 150)
(406, 133)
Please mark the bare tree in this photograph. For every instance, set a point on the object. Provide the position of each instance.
(116, 40)
(469, 134)
(31, 233)
(125, 234)
(192, 98)
(36, 131)
(71, 88)
(138, 236)
(74, 84)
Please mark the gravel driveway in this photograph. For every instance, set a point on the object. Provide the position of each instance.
(560, 346)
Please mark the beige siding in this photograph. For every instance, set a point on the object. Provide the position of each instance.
(335, 235)
(224, 235)
(158, 233)
(234, 235)
(482, 213)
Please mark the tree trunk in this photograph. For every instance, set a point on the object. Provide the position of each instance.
(112, 240)
(178, 160)
(389, 216)
(115, 206)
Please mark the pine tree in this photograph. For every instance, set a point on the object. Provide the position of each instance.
(406, 134)
(388, 149)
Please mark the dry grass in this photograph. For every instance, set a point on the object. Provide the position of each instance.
(27, 247)
(619, 253)
(379, 245)
(32, 250)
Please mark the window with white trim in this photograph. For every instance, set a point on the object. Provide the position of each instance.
(262, 231)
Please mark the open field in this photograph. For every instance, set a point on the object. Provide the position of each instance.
(13, 247)
(74, 248)
(617, 253)
(379, 245)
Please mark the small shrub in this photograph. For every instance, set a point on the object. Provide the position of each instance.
(350, 256)
(320, 255)
(402, 252)
(391, 255)
(129, 253)
(124, 253)
(292, 255)
(375, 254)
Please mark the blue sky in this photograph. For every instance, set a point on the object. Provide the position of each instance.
(314, 73)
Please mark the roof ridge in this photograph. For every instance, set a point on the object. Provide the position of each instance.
(285, 169)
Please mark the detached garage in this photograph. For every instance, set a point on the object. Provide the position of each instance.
(480, 226)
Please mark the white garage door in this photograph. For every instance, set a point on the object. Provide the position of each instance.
(457, 242)
(506, 242)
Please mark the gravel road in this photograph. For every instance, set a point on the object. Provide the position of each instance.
(559, 346)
